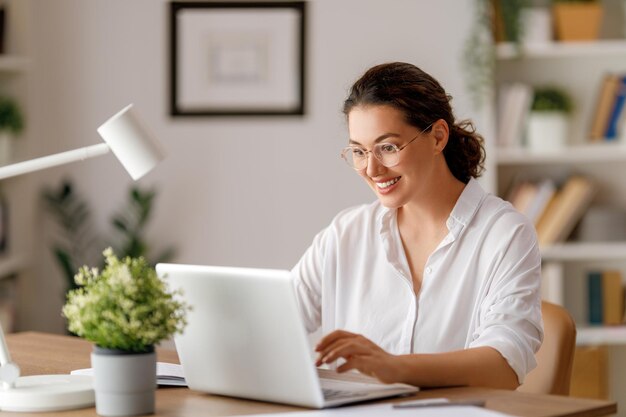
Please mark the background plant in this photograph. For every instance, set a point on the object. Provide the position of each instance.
(551, 99)
(11, 118)
(126, 306)
(79, 243)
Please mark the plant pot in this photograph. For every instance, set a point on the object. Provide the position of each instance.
(124, 382)
(537, 24)
(546, 131)
(577, 21)
(6, 148)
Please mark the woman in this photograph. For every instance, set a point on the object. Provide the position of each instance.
(437, 282)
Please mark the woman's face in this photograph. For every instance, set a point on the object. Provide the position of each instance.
(397, 185)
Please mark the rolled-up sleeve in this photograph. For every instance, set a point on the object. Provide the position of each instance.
(510, 315)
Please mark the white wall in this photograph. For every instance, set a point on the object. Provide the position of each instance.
(247, 191)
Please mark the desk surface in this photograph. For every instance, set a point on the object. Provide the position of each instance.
(38, 353)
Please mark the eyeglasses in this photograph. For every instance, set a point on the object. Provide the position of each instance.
(387, 153)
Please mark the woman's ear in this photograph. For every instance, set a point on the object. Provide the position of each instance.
(441, 132)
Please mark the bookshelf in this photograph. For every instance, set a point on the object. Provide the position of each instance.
(605, 335)
(578, 68)
(13, 64)
(575, 154)
(12, 264)
(589, 49)
(19, 192)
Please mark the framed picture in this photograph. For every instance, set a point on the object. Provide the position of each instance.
(237, 58)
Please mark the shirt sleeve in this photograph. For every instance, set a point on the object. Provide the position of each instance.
(307, 277)
(510, 314)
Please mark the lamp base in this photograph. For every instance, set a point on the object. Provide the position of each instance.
(48, 393)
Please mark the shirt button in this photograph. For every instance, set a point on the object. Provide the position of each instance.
(429, 270)
(449, 223)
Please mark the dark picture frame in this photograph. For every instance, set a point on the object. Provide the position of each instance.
(237, 58)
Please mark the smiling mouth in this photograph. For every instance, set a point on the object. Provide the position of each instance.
(387, 184)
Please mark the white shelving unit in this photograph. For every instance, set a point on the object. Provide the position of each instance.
(508, 51)
(10, 265)
(19, 192)
(13, 64)
(579, 69)
(604, 335)
(576, 154)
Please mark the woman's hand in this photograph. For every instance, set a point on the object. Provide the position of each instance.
(359, 353)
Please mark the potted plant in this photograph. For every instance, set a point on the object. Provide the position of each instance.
(577, 20)
(548, 119)
(125, 309)
(11, 125)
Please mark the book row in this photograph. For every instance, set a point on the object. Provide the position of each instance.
(605, 292)
(554, 210)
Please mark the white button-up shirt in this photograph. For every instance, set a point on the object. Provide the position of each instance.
(480, 285)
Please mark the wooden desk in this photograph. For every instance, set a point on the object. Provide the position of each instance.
(38, 353)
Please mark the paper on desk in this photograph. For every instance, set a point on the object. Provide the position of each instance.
(167, 374)
(387, 411)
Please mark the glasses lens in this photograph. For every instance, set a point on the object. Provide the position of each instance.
(387, 153)
(355, 157)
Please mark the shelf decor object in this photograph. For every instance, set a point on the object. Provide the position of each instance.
(11, 125)
(237, 58)
(577, 20)
(139, 152)
(548, 119)
(124, 309)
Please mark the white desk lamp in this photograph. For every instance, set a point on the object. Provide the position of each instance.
(139, 152)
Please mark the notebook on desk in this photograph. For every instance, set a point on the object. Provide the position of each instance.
(245, 338)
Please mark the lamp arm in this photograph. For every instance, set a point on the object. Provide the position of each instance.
(9, 371)
(53, 160)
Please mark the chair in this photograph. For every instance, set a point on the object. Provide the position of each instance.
(556, 355)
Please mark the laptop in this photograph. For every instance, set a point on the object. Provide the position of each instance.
(245, 338)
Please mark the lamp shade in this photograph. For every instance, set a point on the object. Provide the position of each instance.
(131, 142)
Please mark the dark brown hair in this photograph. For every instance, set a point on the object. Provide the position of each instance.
(423, 101)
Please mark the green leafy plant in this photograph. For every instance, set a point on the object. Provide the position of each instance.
(78, 242)
(511, 11)
(479, 51)
(11, 119)
(551, 99)
(126, 306)
(130, 224)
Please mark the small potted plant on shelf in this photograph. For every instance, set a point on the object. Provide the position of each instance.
(125, 310)
(577, 20)
(11, 125)
(548, 119)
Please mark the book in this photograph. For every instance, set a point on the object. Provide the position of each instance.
(523, 196)
(515, 101)
(565, 210)
(552, 285)
(619, 97)
(612, 298)
(544, 193)
(604, 103)
(594, 297)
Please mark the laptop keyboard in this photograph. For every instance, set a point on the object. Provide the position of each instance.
(336, 394)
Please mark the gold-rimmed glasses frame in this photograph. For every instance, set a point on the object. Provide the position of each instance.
(387, 154)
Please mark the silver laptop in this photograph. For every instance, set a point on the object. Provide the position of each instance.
(245, 338)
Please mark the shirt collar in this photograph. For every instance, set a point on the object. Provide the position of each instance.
(466, 206)
(464, 210)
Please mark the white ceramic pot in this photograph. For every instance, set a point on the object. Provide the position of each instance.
(6, 148)
(546, 131)
(124, 382)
